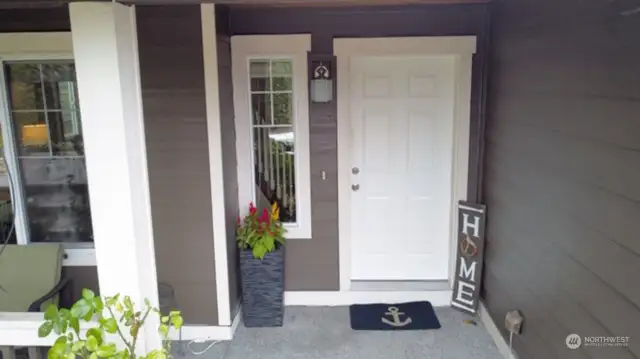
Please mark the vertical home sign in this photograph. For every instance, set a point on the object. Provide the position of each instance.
(466, 286)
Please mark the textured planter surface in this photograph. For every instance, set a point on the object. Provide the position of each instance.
(262, 289)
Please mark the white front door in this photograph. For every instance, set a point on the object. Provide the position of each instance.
(401, 116)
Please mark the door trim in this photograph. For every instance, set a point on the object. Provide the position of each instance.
(463, 48)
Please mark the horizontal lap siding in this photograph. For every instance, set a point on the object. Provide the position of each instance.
(173, 95)
(562, 169)
(313, 264)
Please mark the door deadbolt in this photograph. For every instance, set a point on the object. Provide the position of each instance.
(355, 187)
(355, 170)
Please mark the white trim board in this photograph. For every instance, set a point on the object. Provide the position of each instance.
(494, 332)
(440, 298)
(294, 47)
(463, 48)
(212, 98)
(21, 329)
(36, 45)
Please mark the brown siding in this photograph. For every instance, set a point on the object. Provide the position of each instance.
(313, 264)
(34, 20)
(562, 172)
(173, 94)
(229, 155)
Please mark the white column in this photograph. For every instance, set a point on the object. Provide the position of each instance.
(106, 56)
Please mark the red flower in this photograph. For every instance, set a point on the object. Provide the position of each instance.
(265, 216)
(252, 208)
(239, 220)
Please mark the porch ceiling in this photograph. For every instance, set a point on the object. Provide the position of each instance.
(11, 4)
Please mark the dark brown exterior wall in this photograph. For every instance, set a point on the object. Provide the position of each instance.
(313, 264)
(173, 96)
(562, 174)
(227, 123)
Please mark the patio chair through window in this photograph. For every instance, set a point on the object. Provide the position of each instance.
(30, 280)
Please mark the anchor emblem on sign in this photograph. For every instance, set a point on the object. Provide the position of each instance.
(395, 313)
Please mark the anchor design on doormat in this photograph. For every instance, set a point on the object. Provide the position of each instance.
(395, 313)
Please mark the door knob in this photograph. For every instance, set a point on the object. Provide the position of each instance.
(355, 187)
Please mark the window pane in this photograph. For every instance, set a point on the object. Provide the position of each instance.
(259, 75)
(48, 131)
(282, 108)
(261, 108)
(6, 212)
(274, 170)
(281, 73)
(281, 68)
(64, 129)
(273, 142)
(282, 84)
(57, 199)
(25, 86)
(7, 228)
(32, 133)
(58, 86)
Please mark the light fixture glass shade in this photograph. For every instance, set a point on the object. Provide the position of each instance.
(321, 90)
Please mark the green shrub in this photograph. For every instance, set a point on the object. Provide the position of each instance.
(110, 315)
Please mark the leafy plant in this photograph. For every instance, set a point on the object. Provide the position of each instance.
(261, 233)
(112, 315)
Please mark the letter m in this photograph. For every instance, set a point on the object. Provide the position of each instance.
(468, 273)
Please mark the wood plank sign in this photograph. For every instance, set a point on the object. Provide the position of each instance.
(471, 228)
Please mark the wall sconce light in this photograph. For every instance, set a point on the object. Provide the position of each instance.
(321, 82)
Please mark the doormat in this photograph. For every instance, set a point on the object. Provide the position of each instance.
(401, 316)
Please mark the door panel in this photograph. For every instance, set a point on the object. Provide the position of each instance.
(402, 112)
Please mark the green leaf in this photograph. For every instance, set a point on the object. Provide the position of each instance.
(177, 322)
(74, 323)
(70, 356)
(110, 325)
(81, 309)
(128, 303)
(98, 304)
(269, 243)
(88, 294)
(92, 343)
(60, 347)
(61, 340)
(259, 251)
(147, 302)
(164, 320)
(93, 356)
(51, 312)
(96, 333)
(45, 329)
(78, 346)
(157, 354)
(106, 350)
(111, 301)
(164, 330)
(52, 355)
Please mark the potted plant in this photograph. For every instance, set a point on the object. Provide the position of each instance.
(261, 242)
(111, 317)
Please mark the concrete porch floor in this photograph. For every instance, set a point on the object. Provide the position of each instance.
(324, 333)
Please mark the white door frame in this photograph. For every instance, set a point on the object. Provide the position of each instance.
(463, 48)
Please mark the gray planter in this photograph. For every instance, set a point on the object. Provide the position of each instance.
(262, 289)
